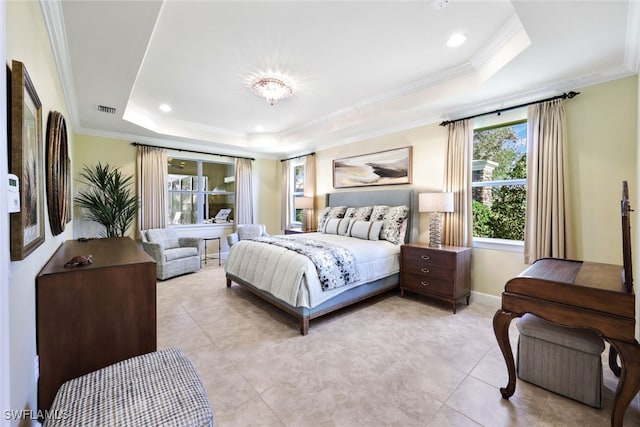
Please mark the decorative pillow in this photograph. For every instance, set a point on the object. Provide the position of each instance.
(367, 230)
(165, 237)
(378, 212)
(349, 212)
(392, 223)
(322, 218)
(403, 231)
(362, 214)
(249, 231)
(337, 226)
(337, 212)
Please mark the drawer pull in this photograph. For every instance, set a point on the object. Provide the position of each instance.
(423, 283)
(425, 270)
(427, 257)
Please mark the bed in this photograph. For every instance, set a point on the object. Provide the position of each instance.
(267, 272)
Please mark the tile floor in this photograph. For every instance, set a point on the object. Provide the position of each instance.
(390, 361)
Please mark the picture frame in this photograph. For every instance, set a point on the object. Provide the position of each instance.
(389, 167)
(26, 226)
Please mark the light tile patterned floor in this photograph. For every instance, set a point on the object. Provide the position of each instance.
(390, 361)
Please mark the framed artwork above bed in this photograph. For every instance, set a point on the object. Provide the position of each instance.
(382, 168)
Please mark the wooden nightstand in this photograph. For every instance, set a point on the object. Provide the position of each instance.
(297, 231)
(443, 273)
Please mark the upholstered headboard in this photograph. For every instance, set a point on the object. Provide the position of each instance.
(381, 197)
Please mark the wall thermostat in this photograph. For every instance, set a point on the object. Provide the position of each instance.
(13, 193)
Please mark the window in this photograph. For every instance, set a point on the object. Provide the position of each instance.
(499, 179)
(198, 190)
(297, 190)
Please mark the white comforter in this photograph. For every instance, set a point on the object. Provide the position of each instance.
(292, 278)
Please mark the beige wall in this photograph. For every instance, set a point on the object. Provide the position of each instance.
(602, 132)
(602, 136)
(119, 153)
(88, 151)
(27, 41)
(428, 153)
(266, 189)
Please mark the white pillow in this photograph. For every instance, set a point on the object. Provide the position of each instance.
(337, 226)
(249, 231)
(367, 230)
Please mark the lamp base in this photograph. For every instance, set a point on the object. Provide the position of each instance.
(435, 229)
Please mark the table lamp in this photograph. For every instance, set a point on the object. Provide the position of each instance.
(304, 203)
(435, 204)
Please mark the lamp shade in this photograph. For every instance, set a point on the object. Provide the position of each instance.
(435, 202)
(303, 203)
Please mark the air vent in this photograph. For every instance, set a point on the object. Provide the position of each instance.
(105, 109)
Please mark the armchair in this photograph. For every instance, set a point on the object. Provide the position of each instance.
(173, 255)
(245, 231)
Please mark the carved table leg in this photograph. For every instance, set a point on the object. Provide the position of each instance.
(629, 383)
(613, 361)
(501, 321)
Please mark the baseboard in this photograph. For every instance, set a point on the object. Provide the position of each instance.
(486, 299)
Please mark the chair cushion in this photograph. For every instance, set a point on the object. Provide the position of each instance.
(248, 231)
(179, 253)
(161, 388)
(580, 339)
(165, 237)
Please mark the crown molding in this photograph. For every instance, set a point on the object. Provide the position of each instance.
(510, 30)
(54, 21)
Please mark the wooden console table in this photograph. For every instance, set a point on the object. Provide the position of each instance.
(580, 295)
(91, 316)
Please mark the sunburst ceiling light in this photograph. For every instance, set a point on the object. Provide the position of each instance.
(272, 88)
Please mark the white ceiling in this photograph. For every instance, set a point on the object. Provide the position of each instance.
(360, 68)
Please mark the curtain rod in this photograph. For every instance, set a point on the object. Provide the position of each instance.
(298, 157)
(190, 151)
(568, 95)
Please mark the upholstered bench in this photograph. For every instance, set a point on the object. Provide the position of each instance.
(566, 361)
(156, 389)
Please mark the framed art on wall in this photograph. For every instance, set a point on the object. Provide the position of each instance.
(382, 168)
(27, 226)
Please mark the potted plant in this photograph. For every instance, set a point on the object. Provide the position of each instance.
(108, 199)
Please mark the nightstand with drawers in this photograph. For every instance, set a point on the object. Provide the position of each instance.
(443, 273)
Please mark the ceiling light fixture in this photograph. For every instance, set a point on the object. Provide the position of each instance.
(165, 108)
(439, 4)
(456, 40)
(271, 87)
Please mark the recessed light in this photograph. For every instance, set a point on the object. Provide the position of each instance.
(165, 108)
(259, 128)
(456, 40)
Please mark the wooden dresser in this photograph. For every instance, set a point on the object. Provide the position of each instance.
(91, 316)
(443, 273)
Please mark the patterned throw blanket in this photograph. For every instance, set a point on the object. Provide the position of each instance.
(335, 265)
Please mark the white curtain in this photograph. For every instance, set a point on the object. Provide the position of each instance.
(548, 230)
(310, 189)
(244, 192)
(457, 226)
(152, 187)
(285, 200)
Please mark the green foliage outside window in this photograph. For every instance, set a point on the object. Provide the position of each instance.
(499, 211)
